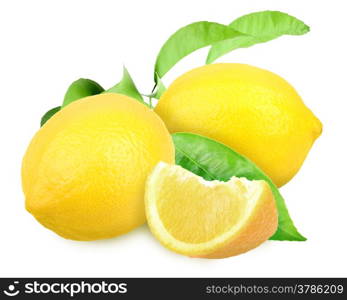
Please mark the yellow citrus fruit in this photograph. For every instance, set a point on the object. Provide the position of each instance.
(251, 110)
(209, 219)
(84, 172)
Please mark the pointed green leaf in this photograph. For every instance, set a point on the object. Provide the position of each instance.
(81, 88)
(188, 39)
(78, 89)
(258, 28)
(215, 161)
(126, 87)
(48, 115)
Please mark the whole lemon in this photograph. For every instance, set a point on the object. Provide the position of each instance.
(251, 110)
(84, 172)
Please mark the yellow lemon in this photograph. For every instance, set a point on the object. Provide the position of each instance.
(210, 219)
(251, 110)
(84, 172)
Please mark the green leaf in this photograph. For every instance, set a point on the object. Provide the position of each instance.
(215, 161)
(78, 89)
(188, 39)
(126, 87)
(159, 88)
(258, 27)
(48, 115)
(81, 88)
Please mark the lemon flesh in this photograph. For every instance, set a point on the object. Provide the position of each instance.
(210, 219)
(253, 111)
(84, 172)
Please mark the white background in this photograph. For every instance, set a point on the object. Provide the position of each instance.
(45, 45)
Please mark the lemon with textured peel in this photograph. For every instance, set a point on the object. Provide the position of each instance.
(209, 219)
(85, 170)
(251, 110)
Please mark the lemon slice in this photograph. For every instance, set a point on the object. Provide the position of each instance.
(210, 219)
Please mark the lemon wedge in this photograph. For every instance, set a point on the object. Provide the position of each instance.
(209, 219)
